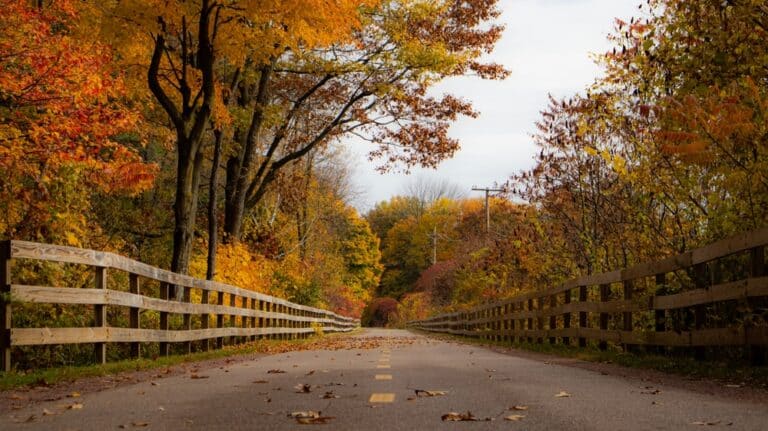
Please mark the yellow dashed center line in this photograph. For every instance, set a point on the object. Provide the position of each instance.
(382, 398)
(383, 377)
(383, 366)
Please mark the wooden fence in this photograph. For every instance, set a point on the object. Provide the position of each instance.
(217, 311)
(714, 296)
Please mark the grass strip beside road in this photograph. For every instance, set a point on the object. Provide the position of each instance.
(51, 376)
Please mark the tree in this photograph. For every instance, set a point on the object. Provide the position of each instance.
(188, 43)
(373, 87)
(64, 124)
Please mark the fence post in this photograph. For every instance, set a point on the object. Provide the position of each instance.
(540, 320)
(5, 306)
(659, 316)
(605, 293)
(165, 290)
(582, 315)
(700, 311)
(187, 318)
(205, 320)
(757, 269)
(627, 317)
(567, 316)
(253, 319)
(232, 320)
(552, 319)
(133, 314)
(100, 317)
(219, 319)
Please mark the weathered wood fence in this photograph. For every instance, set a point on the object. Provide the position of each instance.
(217, 311)
(714, 296)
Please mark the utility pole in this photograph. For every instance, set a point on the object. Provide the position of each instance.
(434, 244)
(487, 191)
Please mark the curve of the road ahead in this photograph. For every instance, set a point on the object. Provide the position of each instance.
(395, 380)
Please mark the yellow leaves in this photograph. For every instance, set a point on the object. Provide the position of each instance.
(72, 239)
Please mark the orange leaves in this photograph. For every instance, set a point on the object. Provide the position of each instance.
(61, 105)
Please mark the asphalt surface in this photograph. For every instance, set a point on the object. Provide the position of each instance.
(342, 385)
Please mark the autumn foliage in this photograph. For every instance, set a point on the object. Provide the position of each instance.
(62, 119)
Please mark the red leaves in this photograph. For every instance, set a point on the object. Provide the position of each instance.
(60, 109)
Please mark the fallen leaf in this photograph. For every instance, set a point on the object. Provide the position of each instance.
(74, 395)
(154, 383)
(321, 420)
(305, 414)
(275, 371)
(519, 408)
(140, 424)
(47, 412)
(514, 417)
(653, 392)
(330, 395)
(198, 376)
(303, 388)
(734, 386)
(705, 423)
(310, 373)
(260, 381)
(75, 406)
(562, 394)
(425, 393)
(462, 417)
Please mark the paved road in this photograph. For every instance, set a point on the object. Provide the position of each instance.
(375, 386)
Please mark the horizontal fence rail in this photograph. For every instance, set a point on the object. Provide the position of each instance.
(714, 296)
(206, 312)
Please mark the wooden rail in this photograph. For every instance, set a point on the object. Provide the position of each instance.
(681, 301)
(238, 314)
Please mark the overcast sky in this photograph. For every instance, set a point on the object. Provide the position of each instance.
(547, 45)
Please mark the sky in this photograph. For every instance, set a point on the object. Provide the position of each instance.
(547, 46)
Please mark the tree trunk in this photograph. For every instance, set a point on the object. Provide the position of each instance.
(239, 167)
(213, 225)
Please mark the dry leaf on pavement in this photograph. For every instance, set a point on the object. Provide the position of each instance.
(514, 418)
(303, 388)
(562, 394)
(705, 423)
(425, 393)
(462, 417)
(519, 408)
(75, 406)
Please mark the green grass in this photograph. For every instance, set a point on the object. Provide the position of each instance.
(727, 371)
(51, 376)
